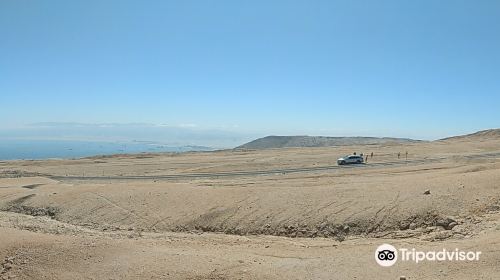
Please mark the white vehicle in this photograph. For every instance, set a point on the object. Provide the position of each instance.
(353, 159)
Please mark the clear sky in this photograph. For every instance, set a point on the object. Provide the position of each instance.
(422, 69)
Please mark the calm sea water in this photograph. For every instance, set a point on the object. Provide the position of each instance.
(37, 149)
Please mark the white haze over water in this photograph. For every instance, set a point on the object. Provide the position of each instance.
(44, 149)
(73, 140)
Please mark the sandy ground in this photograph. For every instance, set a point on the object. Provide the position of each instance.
(123, 217)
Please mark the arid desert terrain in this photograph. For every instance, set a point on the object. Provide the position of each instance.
(288, 213)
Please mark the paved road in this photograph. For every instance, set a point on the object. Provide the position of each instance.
(239, 173)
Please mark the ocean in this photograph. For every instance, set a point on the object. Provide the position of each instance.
(45, 149)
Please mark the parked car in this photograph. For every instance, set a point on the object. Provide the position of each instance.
(352, 159)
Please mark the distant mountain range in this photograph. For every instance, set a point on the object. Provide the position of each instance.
(168, 135)
(273, 142)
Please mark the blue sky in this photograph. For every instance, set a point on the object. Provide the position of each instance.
(422, 69)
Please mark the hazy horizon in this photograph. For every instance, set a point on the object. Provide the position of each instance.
(173, 135)
(77, 140)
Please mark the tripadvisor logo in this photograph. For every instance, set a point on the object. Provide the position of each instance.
(387, 255)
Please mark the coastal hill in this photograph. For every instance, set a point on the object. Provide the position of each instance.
(273, 142)
(483, 134)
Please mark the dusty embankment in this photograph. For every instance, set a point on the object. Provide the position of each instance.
(453, 200)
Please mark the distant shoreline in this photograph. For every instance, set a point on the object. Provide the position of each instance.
(74, 149)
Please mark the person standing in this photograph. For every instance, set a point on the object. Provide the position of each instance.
(399, 155)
